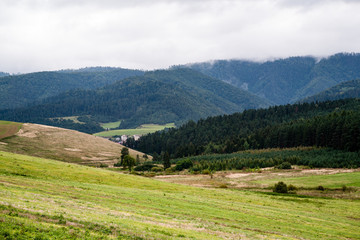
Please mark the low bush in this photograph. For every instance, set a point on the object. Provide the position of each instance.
(292, 188)
(145, 167)
(157, 169)
(280, 187)
(183, 164)
(284, 165)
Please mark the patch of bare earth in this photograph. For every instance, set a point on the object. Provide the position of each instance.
(65, 145)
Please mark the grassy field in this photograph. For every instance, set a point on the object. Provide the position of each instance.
(142, 130)
(46, 199)
(111, 125)
(64, 145)
(8, 129)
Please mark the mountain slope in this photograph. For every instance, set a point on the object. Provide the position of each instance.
(349, 89)
(21, 90)
(157, 97)
(285, 80)
(278, 126)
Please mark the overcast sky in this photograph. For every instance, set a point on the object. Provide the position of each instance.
(39, 35)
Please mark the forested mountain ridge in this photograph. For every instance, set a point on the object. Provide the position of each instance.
(278, 126)
(286, 80)
(160, 96)
(3, 74)
(349, 89)
(22, 90)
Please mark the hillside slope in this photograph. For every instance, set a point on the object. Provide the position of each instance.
(326, 124)
(157, 97)
(22, 90)
(46, 199)
(349, 89)
(63, 144)
(286, 80)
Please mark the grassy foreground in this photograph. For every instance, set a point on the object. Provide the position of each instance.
(142, 130)
(46, 199)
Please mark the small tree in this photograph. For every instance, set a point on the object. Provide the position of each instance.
(166, 160)
(129, 162)
(280, 187)
(137, 159)
(124, 152)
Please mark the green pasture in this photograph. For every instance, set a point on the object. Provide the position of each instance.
(141, 130)
(351, 179)
(46, 199)
(110, 125)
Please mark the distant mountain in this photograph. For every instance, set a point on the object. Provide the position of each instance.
(161, 96)
(3, 74)
(285, 80)
(22, 90)
(349, 89)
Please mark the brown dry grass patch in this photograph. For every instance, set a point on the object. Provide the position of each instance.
(64, 145)
(8, 129)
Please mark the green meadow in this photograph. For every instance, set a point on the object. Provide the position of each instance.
(141, 130)
(47, 199)
(111, 125)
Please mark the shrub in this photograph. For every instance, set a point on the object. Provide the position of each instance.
(145, 167)
(280, 187)
(157, 169)
(284, 165)
(170, 170)
(183, 164)
(103, 165)
(292, 188)
(118, 164)
(205, 171)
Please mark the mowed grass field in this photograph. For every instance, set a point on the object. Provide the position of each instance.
(46, 199)
(142, 130)
(8, 129)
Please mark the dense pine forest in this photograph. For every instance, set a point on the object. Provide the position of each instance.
(348, 89)
(159, 97)
(334, 124)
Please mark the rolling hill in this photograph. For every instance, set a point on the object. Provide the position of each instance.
(22, 90)
(286, 80)
(59, 144)
(159, 97)
(349, 89)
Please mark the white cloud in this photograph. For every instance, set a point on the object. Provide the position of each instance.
(42, 34)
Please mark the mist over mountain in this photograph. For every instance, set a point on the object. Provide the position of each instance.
(3, 74)
(286, 80)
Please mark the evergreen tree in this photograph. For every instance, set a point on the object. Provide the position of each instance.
(166, 160)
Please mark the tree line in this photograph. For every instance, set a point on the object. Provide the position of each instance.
(332, 124)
